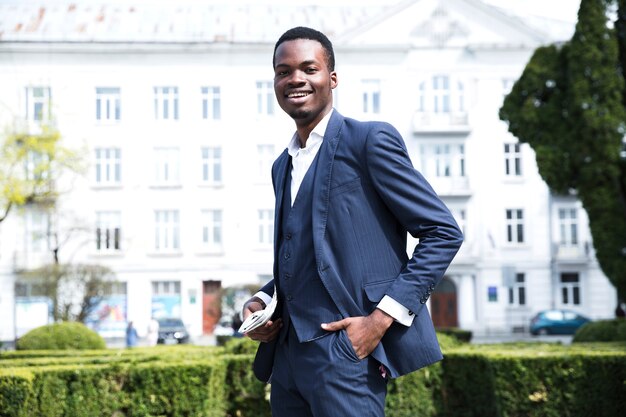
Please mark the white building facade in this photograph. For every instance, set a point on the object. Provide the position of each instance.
(174, 108)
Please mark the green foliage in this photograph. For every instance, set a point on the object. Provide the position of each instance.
(569, 106)
(68, 335)
(47, 160)
(473, 380)
(534, 381)
(241, 345)
(602, 331)
(463, 336)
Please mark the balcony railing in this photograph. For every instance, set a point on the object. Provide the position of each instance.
(451, 186)
(573, 253)
(440, 122)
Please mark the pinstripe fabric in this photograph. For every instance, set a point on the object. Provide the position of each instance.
(366, 196)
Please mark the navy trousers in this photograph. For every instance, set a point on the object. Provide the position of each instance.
(325, 378)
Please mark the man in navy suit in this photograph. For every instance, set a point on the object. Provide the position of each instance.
(351, 302)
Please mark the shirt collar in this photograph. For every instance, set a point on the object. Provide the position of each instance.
(315, 137)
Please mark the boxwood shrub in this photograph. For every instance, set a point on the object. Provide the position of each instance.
(602, 331)
(59, 336)
(473, 380)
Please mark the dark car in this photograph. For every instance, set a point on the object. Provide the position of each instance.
(172, 330)
(556, 322)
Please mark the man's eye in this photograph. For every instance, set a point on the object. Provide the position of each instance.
(311, 70)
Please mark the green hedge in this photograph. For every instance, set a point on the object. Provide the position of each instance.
(489, 380)
(535, 380)
(602, 331)
(59, 336)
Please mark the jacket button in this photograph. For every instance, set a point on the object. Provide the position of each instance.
(287, 255)
(411, 313)
(287, 276)
(288, 236)
(289, 298)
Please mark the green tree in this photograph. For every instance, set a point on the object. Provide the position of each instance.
(569, 106)
(31, 165)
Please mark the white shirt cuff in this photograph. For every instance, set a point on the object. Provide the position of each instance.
(400, 313)
(266, 298)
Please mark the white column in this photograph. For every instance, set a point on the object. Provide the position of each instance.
(466, 298)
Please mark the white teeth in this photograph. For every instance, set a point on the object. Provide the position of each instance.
(293, 95)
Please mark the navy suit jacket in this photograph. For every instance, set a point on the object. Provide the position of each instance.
(367, 196)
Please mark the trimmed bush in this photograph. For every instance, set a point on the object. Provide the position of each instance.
(535, 380)
(602, 331)
(173, 381)
(60, 336)
(463, 336)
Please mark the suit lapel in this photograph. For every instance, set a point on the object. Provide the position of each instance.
(321, 187)
(280, 177)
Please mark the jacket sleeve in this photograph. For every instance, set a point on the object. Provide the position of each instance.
(421, 212)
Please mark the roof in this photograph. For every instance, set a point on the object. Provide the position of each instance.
(241, 21)
(170, 21)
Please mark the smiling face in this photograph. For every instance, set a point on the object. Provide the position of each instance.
(303, 83)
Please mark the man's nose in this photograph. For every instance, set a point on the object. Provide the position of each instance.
(296, 78)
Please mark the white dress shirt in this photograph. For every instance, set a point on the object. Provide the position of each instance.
(301, 160)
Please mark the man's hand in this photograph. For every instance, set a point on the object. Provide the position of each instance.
(269, 330)
(364, 332)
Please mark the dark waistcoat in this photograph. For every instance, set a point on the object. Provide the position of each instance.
(305, 301)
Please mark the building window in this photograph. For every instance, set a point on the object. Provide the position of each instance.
(444, 160)
(515, 226)
(31, 289)
(441, 94)
(212, 165)
(108, 166)
(212, 229)
(266, 227)
(266, 159)
(37, 225)
(37, 166)
(517, 291)
(371, 96)
(507, 86)
(568, 226)
(166, 230)
(166, 287)
(265, 98)
(460, 217)
(108, 226)
(166, 103)
(570, 289)
(211, 103)
(512, 159)
(38, 104)
(108, 105)
(167, 166)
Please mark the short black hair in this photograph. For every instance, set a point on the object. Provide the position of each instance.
(302, 32)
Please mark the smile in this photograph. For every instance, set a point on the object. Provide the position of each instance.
(298, 94)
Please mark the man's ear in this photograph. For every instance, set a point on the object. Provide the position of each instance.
(333, 80)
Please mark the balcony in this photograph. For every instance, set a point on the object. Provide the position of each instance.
(579, 253)
(451, 186)
(431, 122)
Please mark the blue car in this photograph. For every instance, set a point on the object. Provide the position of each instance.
(556, 322)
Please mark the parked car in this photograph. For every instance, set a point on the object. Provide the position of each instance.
(172, 330)
(556, 322)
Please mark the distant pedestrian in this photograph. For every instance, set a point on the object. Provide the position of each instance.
(236, 324)
(131, 335)
(153, 332)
